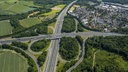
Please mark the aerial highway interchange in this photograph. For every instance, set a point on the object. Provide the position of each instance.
(51, 61)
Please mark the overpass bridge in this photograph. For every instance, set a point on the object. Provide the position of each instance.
(58, 36)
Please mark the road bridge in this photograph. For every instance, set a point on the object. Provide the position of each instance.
(58, 36)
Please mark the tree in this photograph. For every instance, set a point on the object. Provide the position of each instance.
(69, 48)
(80, 40)
(41, 59)
(68, 24)
(40, 45)
(20, 45)
(30, 69)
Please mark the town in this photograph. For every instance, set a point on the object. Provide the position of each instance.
(105, 17)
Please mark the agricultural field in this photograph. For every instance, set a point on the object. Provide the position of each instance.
(5, 28)
(8, 0)
(55, 10)
(12, 62)
(30, 22)
(16, 7)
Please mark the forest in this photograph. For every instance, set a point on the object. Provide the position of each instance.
(41, 59)
(67, 65)
(40, 45)
(105, 54)
(68, 24)
(69, 48)
(21, 45)
(118, 45)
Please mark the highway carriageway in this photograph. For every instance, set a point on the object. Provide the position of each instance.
(58, 36)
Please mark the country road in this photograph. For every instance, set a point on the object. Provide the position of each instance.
(76, 23)
(29, 48)
(30, 55)
(80, 60)
(35, 60)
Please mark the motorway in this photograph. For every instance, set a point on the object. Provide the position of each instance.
(53, 52)
(57, 36)
(51, 61)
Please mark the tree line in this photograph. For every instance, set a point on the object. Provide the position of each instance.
(67, 65)
(35, 30)
(41, 59)
(113, 47)
(118, 45)
(21, 45)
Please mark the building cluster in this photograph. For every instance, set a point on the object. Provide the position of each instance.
(105, 17)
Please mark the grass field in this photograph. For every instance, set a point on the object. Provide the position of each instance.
(30, 22)
(50, 31)
(52, 24)
(106, 58)
(60, 65)
(12, 62)
(101, 59)
(8, 0)
(51, 27)
(73, 8)
(16, 6)
(5, 28)
(55, 10)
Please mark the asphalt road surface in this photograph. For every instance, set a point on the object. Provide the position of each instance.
(80, 60)
(53, 52)
(59, 35)
(33, 57)
(51, 61)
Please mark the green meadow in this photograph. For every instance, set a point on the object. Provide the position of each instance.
(12, 62)
(16, 7)
(5, 28)
(30, 22)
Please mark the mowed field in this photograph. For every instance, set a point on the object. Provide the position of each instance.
(52, 14)
(12, 62)
(33, 21)
(55, 10)
(30, 22)
(5, 27)
(15, 6)
(8, 0)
